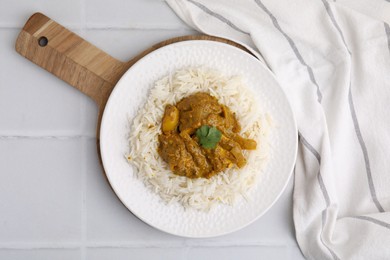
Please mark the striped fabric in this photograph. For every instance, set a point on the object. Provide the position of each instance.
(333, 61)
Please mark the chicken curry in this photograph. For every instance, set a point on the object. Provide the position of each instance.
(200, 137)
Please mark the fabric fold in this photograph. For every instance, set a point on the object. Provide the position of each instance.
(332, 59)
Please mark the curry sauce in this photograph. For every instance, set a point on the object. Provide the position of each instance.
(180, 145)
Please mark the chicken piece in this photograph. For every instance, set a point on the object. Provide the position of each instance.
(172, 149)
(195, 108)
(197, 154)
(215, 120)
(220, 160)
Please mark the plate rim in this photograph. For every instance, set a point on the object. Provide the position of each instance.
(109, 101)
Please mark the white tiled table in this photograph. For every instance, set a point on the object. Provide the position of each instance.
(54, 200)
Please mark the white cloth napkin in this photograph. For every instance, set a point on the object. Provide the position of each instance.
(333, 61)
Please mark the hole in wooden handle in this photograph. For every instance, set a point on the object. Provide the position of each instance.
(43, 41)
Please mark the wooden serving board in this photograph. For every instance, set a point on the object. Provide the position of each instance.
(79, 63)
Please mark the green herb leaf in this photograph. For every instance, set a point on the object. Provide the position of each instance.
(208, 136)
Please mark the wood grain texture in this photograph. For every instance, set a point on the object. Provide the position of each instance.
(70, 58)
(80, 63)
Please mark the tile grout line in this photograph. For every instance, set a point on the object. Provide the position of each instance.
(83, 112)
(129, 245)
(111, 28)
(35, 246)
(180, 244)
(19, 27)
(138, 27)
(83, 245)
(48, 137)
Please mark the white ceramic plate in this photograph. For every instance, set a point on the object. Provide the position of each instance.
(130, 94)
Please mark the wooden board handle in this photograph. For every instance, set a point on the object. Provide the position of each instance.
(69, 57)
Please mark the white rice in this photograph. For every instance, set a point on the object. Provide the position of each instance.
(202, 194)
